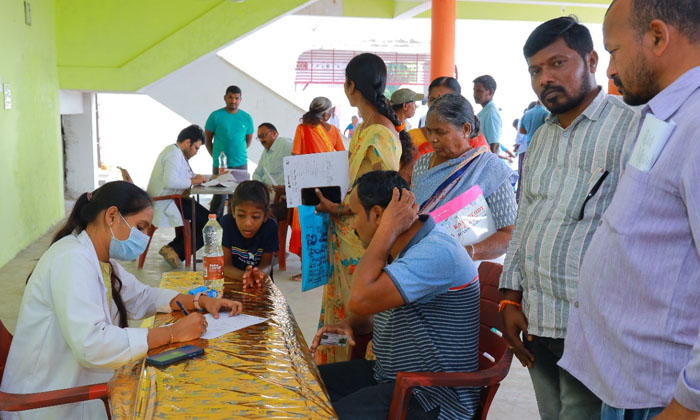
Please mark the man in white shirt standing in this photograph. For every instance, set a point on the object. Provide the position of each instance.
(172, 174)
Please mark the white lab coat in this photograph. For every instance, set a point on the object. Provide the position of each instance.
(171, 175)
(67, 333)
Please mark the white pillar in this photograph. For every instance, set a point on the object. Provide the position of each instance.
(80, 137)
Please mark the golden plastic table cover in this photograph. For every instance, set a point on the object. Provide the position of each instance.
(262, 371)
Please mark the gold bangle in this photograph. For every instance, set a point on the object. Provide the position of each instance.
(171, 334)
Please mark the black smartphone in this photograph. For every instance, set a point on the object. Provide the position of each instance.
(174, 355)
(309, 197)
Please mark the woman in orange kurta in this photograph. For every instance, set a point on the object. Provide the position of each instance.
(313, 135)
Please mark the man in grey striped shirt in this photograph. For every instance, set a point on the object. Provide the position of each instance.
(569, 175)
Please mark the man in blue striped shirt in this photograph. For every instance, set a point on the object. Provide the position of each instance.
(424, 304)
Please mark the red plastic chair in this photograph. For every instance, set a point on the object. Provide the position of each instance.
(21, 402)
(490, 373)
(282, 228)
(186, 230)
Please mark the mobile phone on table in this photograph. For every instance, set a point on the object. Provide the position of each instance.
(309, 197)
(174, 355)
(328, 339)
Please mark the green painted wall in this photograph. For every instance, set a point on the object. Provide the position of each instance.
(31, 196)
(480, 10)
(124, 45)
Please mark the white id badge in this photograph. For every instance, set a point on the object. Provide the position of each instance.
(651, 140)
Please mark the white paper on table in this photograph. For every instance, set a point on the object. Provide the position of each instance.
(315, 170)
(230, 179)
(225, 180)
(226, 324)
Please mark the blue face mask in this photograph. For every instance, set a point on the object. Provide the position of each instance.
(130, 248)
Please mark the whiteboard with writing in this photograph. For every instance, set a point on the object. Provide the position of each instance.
(315, 170)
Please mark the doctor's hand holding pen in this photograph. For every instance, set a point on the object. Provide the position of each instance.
(194, 324)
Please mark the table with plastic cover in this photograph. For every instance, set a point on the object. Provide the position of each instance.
(262, 371)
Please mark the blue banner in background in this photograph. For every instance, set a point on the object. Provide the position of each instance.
(314, 248)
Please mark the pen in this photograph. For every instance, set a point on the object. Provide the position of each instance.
(592, 193)
(182, 308)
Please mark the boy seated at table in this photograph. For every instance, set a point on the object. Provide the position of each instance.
(249, 234)
(423, 318)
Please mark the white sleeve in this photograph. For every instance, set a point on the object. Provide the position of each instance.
(76, 295)
(139, 299)
(175, 177)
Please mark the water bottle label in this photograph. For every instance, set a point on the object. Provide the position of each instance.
(213, 268)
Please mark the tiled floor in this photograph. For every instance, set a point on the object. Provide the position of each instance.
(515, 398)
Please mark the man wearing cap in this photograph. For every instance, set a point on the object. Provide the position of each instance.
(404, 103)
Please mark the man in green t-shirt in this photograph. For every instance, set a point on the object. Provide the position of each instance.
(229, 130)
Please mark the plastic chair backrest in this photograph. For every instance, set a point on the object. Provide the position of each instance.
(489, 341)
(5, 341)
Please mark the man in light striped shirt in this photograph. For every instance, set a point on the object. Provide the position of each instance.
(570, 172)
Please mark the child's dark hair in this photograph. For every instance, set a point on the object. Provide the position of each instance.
(128, 199)
(251, 192)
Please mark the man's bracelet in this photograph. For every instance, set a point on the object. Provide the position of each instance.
(502, 305)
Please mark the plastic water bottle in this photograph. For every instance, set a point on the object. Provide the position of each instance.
(213, 259)
(222, 163)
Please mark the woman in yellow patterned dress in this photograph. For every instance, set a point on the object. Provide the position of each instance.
(379, 143)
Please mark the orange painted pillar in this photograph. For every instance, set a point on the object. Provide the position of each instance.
(612, 89)
(442, 44)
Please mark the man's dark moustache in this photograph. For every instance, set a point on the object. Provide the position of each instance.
(617, 82)
(552, 89)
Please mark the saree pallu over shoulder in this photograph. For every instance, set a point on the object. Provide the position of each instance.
(386, 145)
(444, 182)
(315, 139)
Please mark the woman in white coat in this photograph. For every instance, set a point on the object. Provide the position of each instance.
(72, 327)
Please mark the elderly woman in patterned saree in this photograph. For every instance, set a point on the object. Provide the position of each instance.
(438, 87)
(376, 145)
(454, 167)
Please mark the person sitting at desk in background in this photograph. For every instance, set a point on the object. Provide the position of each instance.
(249, 234)
(72, 327)
(455, 167)
(270, 170)
(420, 315)
(172, 174)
